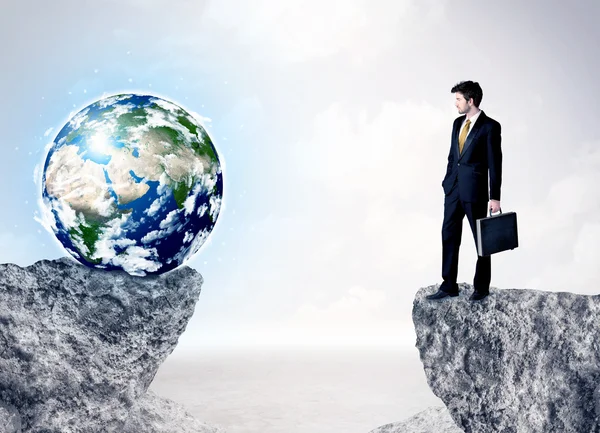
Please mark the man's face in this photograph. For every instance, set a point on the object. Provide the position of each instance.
(461, 103)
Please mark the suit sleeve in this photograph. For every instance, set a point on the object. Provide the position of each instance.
(450, 158)
(494, 154)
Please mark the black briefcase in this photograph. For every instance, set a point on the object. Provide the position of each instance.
(497, 233)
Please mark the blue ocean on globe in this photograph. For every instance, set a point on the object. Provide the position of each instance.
(134, 183)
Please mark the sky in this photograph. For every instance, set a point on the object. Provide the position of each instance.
(332, 121)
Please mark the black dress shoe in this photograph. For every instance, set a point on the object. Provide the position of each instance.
(440, 294)
(476, 296)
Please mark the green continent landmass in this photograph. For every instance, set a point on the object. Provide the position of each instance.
(205, 148)
(185, 121)
(171, 134)
(181, 191)
(74, 134)
(89, 234)
(136, 117)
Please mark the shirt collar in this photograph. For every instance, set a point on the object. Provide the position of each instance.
(474, 117)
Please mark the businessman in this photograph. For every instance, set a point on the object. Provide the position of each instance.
(474, 150)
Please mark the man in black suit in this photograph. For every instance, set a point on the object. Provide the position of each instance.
(474, 149)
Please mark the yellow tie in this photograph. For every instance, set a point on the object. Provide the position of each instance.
(463, 136)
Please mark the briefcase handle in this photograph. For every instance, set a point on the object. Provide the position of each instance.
(495, 215)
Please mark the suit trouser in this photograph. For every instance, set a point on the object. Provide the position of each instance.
(454, 212)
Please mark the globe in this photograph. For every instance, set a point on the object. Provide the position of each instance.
(132, 182)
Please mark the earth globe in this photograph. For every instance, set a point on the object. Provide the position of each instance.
(132, 182)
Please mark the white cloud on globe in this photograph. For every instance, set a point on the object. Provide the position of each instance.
(134, 261)
(168, 221)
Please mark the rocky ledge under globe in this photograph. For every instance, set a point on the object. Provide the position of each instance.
(132, 182)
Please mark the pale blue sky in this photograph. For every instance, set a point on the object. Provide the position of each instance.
(333, 119)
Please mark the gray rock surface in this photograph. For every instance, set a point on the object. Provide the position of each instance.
(432, 420)
(80, 346)
(154, 414)
(519, 361)
(10, 420)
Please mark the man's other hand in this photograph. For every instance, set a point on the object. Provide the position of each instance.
(494, 205)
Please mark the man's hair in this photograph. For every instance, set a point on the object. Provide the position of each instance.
(469, 89)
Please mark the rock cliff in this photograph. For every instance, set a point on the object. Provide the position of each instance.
(519, 361)
(80, 346)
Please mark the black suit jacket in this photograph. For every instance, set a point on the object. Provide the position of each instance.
(481, 152)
